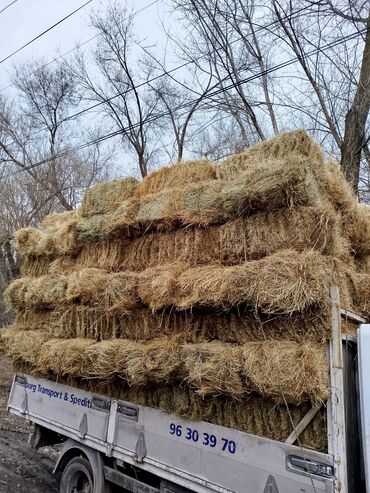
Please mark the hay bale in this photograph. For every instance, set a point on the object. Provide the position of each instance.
(177, 175)
(14, 294)
(27, 241)
(214, 368)
(355, 216)
(45, 292)
(253, 414)
(59, 238)
(62, 266)
(35, 266)
(283, 283)
(24, 345)
(95, 287)
(231, 243)
(274, 185)
(53, 222)
(296, 142)
(107, 197)
(287, 371)
(64, 356)
(142, 325)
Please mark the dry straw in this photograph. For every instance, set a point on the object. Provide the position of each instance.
(231, 243)
(291, 372)
(285, 282)
(111, 292)
(36, 293)
(56, 238)
(273, 185)
(107, 197)
(143, 325)
(297, 142)
(177, 175)
(281, 370)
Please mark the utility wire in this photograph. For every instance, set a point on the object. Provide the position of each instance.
(164, 73)
(7, 6)
(270, 70)
(44, 32)
(78, 45)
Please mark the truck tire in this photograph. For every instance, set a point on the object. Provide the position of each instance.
(77, 477)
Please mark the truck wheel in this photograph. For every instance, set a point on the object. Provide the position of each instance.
(77, 477)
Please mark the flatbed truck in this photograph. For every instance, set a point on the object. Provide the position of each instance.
(112, 445)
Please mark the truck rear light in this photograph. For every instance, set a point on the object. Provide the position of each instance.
(308, 466)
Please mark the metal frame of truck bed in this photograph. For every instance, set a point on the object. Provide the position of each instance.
(199, 456)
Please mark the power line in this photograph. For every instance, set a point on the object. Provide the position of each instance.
(78, 45)
(166, 72)
(44, 32)
(285, 64)
(9, 5)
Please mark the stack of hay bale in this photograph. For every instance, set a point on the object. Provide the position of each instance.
(202, 290)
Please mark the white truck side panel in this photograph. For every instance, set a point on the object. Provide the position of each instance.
(197, 455)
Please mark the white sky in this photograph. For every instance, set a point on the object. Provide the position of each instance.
(27, 18)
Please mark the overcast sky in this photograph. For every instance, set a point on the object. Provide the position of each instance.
(25, 19)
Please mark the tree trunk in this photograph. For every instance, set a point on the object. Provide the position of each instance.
(354, 132)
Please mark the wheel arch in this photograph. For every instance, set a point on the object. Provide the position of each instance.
(72, 449)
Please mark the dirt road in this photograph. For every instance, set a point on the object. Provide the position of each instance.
(21, 468)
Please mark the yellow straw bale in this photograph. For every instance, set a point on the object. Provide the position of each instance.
(273, 185)
(355, 216)
(143, 325)
(45, 292)
(53, 222)
(232, 243)
(177, 175)
(296, 142)
(107, 197)
(156, 361)
(287, 371)
(24, 345)
(35, 266)
(14, 294)
(65, 356)
(27, 240)
(62, 266)
(95, 287)
(214, 368)
(284, 282)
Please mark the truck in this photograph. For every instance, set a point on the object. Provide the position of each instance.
(112, 445)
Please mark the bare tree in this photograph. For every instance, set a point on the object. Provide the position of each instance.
(224, 35)
(340, 84)
(117, 82)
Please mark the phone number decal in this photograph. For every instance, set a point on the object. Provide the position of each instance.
(206, 439)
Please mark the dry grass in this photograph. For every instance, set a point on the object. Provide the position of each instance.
(62, 266)
(274, 185)
(281, 370)
(177, 175)
(297, 142)
(231, 243)
(36, 293)
(64, 356)
(53, 222)
(107, 197)
(283, 283)
(35, 266)
(24, 345)
(284, 371)
(95, 287)
(59, 239)
(214, 368)
(142, 325)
